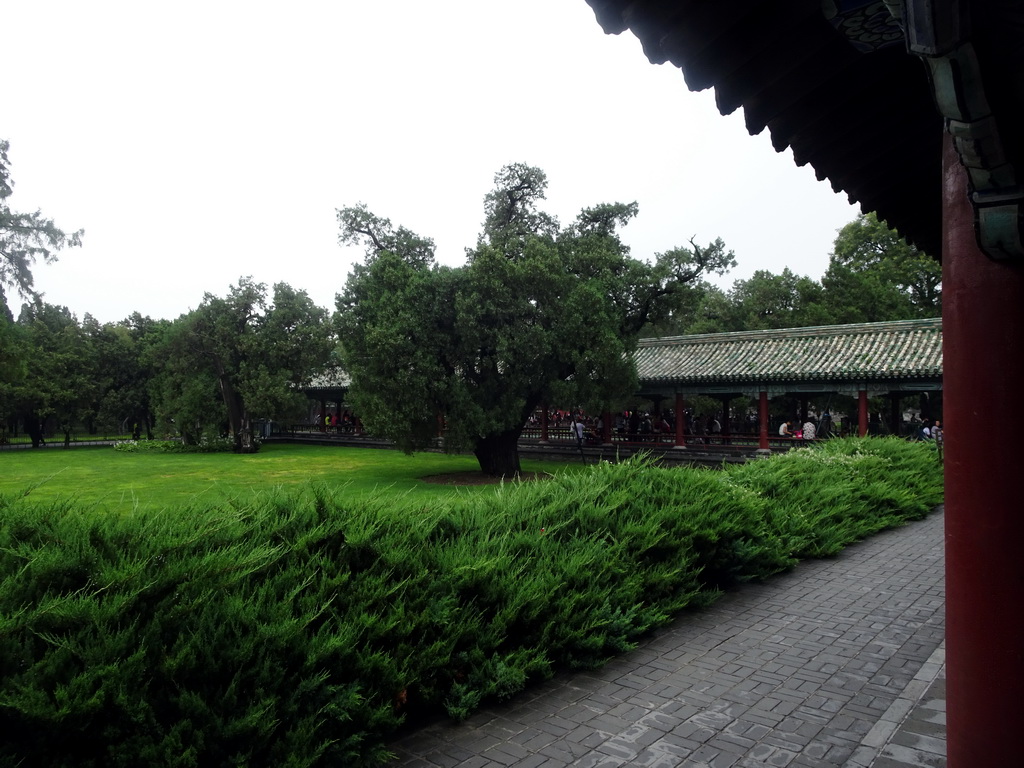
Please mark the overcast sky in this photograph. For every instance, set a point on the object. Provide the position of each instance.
(198, 142)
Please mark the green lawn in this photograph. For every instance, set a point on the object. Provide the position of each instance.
(120, 482)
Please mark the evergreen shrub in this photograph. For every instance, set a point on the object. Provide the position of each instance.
(206, 445)
(303, 629)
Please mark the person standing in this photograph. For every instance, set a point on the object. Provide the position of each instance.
(578, 431)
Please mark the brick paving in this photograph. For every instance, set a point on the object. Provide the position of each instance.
(838, 663)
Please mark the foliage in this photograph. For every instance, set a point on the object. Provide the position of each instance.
(538, 313)
(68, 374)
(246, 351)
(301, 629)
(825, 496)
(24, 238)
(62, 381)
(214, 445)
(786, 300)
(14, 355)
(763, 301)
(125, 357)
(874, 275)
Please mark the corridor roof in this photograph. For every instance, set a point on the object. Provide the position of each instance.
(904, 354)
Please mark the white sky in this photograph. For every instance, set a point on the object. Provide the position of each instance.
(197, 142)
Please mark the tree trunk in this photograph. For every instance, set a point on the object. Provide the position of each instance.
(499, 454)
(247, 442)
(237, 417)
(33, 429)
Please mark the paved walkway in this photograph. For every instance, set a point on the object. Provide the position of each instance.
(837, 663)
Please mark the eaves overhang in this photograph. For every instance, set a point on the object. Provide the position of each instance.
(862, 92)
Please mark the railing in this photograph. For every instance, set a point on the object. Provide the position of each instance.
(662, 440)
(563, 437)
(56, 440)
(339, 430)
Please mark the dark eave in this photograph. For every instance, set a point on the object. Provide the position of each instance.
(862, 92)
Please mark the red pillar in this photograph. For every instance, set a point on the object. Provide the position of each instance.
(983, 367)
(544, 423)
(762, 442)
(680, 421)
(862, 413)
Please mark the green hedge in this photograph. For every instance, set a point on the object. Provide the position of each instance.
(301, 630)
(211, 445)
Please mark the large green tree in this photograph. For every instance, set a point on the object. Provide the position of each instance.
(251, 348)
(25, 238)
(61, 385)
(875, 275)
(787, 300)
(538, 313)
(126, 366)
(762, 301)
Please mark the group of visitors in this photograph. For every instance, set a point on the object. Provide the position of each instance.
(335, 422)
(933, 431)
(809, 430)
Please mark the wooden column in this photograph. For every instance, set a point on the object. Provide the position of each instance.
(862, 412)
(680, 421)
(544, 424)
(983, 367)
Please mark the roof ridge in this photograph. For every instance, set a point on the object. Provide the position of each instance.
(928, 323)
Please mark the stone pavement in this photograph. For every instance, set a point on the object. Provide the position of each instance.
(839, 662)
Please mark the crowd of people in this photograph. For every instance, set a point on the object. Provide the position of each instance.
(645, 426)
(337, 422)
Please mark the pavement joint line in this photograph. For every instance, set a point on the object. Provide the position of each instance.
(875, 741)
(863, 696)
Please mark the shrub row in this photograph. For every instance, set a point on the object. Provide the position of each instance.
(206, 445)
(301, 630)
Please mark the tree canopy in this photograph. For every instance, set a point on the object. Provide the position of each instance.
(875, 275)
(538, 313)
(24, 238)
(247, 349)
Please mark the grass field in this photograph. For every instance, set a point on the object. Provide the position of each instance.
(120, 482)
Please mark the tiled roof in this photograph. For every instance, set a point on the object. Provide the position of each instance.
(906, 350)
(332, 380)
